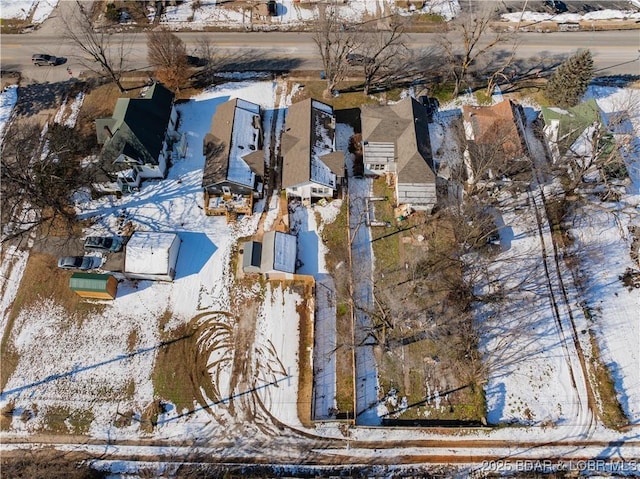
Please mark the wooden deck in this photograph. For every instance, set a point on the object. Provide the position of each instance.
(228, 205)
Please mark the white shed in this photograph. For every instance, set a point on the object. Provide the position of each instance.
(278, 253)
(151, 255)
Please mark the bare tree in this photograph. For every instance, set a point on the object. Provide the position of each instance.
(335, 41)
(98, 52)
(381, 52)
(491, 152)
(40, 170)
(167, 53)
(500, 73)
(471, 38)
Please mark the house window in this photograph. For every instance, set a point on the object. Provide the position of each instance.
(318, 191)
(377, 167)
(226, 190)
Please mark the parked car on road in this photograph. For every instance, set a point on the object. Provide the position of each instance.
(40, 59)
(103, 243)
(79, 262)
(356, 59)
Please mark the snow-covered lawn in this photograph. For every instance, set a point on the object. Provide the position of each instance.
(534, 377)
(67, 361)
(22, 9)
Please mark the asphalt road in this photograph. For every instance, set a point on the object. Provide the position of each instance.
(615, 52)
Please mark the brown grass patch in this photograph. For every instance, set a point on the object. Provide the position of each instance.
(305, 382)
(149, 418)
(334, 237)
(132, 340)
(423, 328)
(345, 100)
(610, 412)
(174, 365)
(6, 416)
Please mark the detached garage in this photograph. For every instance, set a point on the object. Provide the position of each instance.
(151, 255)
(92, 285)
(278, 253)
(273, 257)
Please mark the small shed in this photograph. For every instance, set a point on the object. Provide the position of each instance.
(251, 256)
(93, 285)
(151, 255)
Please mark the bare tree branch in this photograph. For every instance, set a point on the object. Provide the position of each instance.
(334, 42)
(381, 52)
(97, 53)
(470, 40)
(167, 53)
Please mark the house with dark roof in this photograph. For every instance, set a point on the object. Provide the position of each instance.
(395, 141)
(311, 168)
(234, 159)
(568, 130)
(495, 136)
(137, 140)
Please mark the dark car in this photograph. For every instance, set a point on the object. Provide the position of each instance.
(40, 59)
(103, 243)
(556, 6)
(357, 59)
(79, 262)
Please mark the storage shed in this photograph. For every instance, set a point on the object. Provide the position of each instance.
(93, 285)
(151, 255)
(251, 256)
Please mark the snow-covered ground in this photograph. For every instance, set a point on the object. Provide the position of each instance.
(23, 9)
(603, 243)
(606, 14)
(64, 361)
(293, 13)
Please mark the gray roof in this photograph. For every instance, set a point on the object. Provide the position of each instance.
(251, 257)
(217, 147)
(308, 130)
(406, 125)
(137, 126)
(278, 252)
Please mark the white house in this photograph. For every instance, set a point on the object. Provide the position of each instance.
(151, 255)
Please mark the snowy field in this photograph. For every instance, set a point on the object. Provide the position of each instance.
(23, 9)
(293, 13)
(64, 362)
